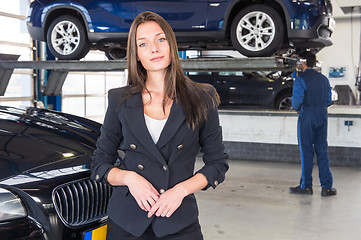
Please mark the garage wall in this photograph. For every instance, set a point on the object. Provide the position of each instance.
(272, 136)
(280, 127)
(345, 51)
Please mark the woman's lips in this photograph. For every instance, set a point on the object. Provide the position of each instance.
(156, 59)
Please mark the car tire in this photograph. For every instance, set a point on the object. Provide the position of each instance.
(67, 39)
(115, 53)
(257, 40)
(284, 102)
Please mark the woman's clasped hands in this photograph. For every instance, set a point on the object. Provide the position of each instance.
(150, 200)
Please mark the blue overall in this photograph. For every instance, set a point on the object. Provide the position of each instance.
(311, 97)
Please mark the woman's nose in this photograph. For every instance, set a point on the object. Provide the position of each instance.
(154, 47)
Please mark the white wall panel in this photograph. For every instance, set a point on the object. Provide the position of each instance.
(281, 128)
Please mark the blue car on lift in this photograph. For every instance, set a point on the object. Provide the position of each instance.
(254, 28)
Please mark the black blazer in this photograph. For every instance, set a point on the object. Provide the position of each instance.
(164, 164)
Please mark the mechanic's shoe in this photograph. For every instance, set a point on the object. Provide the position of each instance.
(300, 190)
(328, 192)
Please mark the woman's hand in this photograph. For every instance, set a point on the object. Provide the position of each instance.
(168, 202)
(148, 197)
(171, 200)
(142, 190)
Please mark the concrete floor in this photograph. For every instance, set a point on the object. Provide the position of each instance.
(254, 204)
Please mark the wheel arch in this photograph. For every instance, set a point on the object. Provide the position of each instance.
(81, 15)
(238, 5)
(280, 94)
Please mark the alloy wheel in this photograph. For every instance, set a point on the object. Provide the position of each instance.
(255, 31)
(65, 37)
(285, 104)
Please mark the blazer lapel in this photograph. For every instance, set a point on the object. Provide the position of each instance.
(175, 120)
(134, 115)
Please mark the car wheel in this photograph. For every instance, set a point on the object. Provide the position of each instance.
(67, 39)
(257, 31)
(284, 102)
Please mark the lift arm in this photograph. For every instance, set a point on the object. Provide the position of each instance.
(61, 68)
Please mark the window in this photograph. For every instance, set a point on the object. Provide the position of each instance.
(16, 40)
(199, 73)
(239, 74)
(85, 93)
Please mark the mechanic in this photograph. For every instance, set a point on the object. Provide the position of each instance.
(311, 97)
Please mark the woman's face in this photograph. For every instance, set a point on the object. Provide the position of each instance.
(153, 49)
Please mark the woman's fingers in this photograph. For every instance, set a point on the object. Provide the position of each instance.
(169, 213)
(151, 199)
(167, 204)
(146, 205)
(140, 204)
(164, 211)
(151, 202)
(148, 200)
(153, 209)
(143, 192)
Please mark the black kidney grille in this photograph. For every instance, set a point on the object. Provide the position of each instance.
(82, 202)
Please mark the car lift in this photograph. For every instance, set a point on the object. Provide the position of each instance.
(61, 68)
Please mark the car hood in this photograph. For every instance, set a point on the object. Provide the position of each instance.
(37, 141)
(44, 174)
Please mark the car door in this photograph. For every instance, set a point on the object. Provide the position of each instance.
(238, 88)
(107, 16)
(181, 15)
(207, 77)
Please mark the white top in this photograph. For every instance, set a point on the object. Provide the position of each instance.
(155, 127)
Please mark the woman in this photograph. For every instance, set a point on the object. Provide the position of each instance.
(160, 121)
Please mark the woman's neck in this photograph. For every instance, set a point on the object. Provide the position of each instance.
(155, 106)
(155, 82)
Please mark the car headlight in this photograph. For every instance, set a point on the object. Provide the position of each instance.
(11, 206)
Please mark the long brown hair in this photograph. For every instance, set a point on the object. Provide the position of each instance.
(193, 96)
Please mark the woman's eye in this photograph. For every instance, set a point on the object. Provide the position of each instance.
(161, 39)
(142, 45)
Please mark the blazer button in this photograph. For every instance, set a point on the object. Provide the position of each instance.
(140, 167)
(161, 191)
(165, 168)
(180, 146)
(133, 146)
(216, 183)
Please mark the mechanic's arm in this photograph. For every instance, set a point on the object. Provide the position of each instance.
(298, 93)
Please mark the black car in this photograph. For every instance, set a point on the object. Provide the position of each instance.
(269, 90)
(45, 186)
